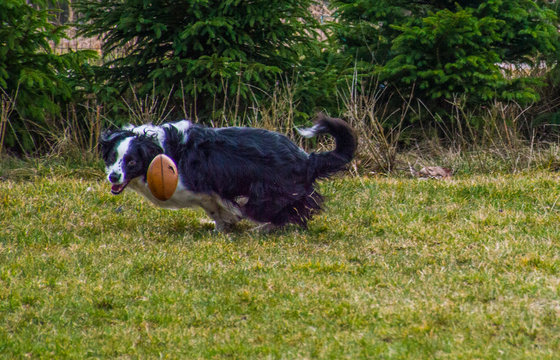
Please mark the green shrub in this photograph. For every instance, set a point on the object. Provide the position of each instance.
(31, 75)
(207, 50)
(447, 48)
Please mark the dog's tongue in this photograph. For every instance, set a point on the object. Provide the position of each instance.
(116, 189)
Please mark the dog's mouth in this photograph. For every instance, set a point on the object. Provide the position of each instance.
(116, 189)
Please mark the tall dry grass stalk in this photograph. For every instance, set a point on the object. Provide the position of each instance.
(276, 112)
(7, 106)
(367, 109)
(74, 133)
(151, 108)
(499, 124)
(498, 136)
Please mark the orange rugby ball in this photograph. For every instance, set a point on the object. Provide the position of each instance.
(162, 177)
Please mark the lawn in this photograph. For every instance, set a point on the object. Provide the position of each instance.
(395, 268)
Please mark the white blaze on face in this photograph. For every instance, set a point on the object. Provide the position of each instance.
(117, 166)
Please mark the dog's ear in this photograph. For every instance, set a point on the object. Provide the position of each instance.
(149, 150)
(106, 142)
(108, 139)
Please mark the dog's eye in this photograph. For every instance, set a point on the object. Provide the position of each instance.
(131, 163)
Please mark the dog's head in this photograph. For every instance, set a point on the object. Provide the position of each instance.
(127, 156)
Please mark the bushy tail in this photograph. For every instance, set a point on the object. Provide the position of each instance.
(324, 164)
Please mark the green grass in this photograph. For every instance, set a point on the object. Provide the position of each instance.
(394, 268)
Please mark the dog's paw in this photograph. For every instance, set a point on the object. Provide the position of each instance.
(223, 227)
(266, 228)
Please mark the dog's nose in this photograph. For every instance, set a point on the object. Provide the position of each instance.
(114, 177)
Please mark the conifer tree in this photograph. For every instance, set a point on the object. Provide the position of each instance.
(209, 48)
(446, 48)
(31, 74)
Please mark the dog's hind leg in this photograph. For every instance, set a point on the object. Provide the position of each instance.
(224, 213)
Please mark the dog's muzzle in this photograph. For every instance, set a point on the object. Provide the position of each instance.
(116, 189)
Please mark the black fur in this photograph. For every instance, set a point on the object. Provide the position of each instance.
(321, 165)
(275, 176)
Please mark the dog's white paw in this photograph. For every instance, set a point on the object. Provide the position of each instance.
(265, 228)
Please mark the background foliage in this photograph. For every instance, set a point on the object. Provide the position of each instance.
(445, 48)
(381, 64)
(31, 75)
(208, 51)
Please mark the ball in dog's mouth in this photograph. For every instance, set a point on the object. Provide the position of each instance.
(116, 189)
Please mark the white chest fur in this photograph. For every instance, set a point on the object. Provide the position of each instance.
(182, 198)
(223, 212)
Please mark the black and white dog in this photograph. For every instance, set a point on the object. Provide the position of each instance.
(232, 172)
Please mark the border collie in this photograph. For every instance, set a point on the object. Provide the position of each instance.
(233, 172)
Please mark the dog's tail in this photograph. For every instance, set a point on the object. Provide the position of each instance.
(321, 165)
